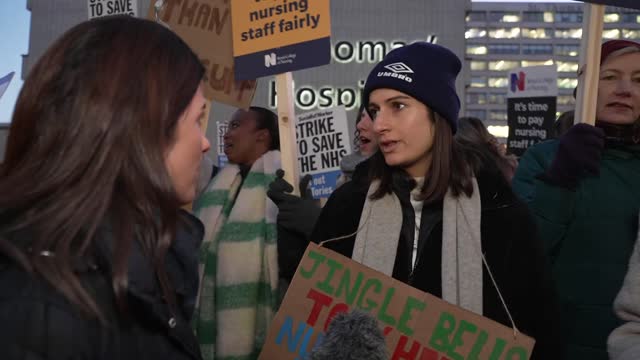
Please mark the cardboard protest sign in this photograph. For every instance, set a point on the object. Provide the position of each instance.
(274, 37)
(416, 325)
(99, 8)
(531, 106)
(221, 130)
(631, 4)
(206, 26)
(322, 139)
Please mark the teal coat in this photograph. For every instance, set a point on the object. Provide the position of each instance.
(589, 235)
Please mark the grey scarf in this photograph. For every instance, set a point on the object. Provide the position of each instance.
(378, 235)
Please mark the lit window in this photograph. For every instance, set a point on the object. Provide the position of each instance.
(478, 81)
(502, 65)
(478, 65)
(567, 50)
(538, 33)
(476, 99)
(566, 100)
(476, 50)
(630, 34)
(504, 33)
(498, 82)
(611, 34)
(495, 99)
(480, 114)
(498, 131)
(567, 66)
(611, 18)
(567, 83)
(511, 18)
(548, 16)
(569, 33)
(474, 33)
(501, 16)
(498, 115)
(526, 63)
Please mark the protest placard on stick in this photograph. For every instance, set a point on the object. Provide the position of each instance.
(275, 38)
(531, 106)
(286, 128)
(416, 325)
(322, 139)
(205, 25)
(100, 8)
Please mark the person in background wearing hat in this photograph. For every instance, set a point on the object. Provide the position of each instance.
(420, 211)
(584, 189)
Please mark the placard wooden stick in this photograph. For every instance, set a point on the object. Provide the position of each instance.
(589, 69)
(286, 128)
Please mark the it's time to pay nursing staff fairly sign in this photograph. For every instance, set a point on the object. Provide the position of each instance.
(276, 36)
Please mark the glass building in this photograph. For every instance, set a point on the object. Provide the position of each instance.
(502, 36)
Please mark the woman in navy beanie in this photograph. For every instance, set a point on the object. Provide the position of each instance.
(421, 211)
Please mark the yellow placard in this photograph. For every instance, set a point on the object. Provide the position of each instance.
(267, 24)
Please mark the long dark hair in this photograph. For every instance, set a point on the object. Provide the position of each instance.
(87, 145)
(448, 168)
(482, 150)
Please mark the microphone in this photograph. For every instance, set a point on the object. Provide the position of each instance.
(352, 336)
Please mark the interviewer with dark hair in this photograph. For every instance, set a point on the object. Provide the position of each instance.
(97, 261)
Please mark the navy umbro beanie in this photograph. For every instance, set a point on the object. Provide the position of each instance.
(424, 71)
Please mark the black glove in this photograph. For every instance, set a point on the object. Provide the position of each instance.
(296, 219)
(579, 154)
(296, 213)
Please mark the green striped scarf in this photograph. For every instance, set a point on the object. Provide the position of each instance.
(238, 259)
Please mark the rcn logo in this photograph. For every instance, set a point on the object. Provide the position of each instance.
(517, 81)
(270, 60)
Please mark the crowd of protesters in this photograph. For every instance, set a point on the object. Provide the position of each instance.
(99, 259)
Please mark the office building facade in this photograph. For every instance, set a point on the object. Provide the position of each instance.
(502, 36)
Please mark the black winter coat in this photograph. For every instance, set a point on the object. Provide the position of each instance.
(37, 322)
(509, 242)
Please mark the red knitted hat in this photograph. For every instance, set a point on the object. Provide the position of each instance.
(615, 45)
(608, 48)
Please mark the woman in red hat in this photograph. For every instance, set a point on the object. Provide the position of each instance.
(584, 189)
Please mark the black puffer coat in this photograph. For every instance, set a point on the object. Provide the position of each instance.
(37, 322)
(509, 242)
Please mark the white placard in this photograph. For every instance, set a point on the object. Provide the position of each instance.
(533, 81)
(323, 139)
(100, 8)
